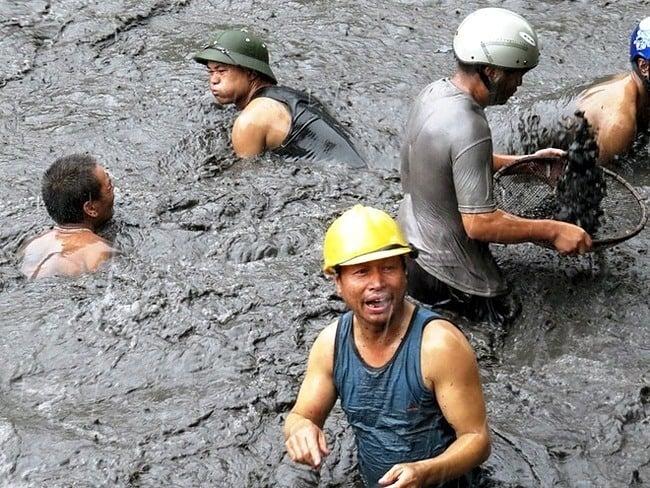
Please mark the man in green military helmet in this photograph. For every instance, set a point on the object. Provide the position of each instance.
(273, 118)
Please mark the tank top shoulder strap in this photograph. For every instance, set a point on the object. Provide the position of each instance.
(413, 347)
(342, 332)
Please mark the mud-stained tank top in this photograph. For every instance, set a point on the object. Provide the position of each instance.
(315, 135)
(395, 417)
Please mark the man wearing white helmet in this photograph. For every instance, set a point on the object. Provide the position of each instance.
(408, 381)
(448, 211)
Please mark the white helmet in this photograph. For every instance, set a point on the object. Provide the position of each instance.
(496, 37)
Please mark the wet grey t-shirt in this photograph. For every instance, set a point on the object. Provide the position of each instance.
(447, 169)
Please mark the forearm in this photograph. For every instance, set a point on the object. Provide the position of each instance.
(505, 228)
(464, 454)
(501, 160)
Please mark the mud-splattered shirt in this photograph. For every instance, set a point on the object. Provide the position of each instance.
(447, 169)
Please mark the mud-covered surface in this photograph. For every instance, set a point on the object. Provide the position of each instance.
(176, 365)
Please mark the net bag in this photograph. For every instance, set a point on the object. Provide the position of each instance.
(527, 189)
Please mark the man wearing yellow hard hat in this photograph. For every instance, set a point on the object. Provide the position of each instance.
(408, 381)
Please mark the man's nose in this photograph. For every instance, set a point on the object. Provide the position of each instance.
(376, 278)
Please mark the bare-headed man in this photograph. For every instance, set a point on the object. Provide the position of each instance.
(78, 195)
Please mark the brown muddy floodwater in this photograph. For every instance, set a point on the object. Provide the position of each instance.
(177, 364)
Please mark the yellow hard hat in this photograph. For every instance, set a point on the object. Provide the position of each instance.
(360, 235)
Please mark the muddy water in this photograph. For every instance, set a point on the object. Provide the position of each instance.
(177, 364)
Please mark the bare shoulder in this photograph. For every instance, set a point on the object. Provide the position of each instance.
(263, 124)
(443, 339)
(263, 109)
(447, 356)
(324, 343)
(97, 252)
(607, 99)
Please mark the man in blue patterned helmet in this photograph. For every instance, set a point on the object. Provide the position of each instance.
(619, 107)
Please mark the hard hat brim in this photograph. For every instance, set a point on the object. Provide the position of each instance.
(371, 256)
(234, 59)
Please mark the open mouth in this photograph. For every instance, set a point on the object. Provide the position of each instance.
(378, 304)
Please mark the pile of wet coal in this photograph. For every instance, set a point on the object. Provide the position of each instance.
(581, 189)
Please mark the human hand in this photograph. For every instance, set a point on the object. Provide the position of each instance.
(550, 152)
(306, 444)
(572, 239)
(409, 475)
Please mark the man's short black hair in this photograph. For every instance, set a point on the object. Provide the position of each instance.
(469, 68)
(67, 185)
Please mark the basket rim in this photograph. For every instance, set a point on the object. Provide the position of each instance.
(596, 243)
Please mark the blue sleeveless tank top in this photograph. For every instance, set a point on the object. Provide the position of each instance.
(395, 417)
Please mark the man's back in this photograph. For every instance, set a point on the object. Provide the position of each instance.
(64, 252)
(446, 169)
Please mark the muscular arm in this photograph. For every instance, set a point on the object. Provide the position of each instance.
(504, 160)
(481, 219)
(450, 370)
(303, 433)
(262, 125)
(499, 226)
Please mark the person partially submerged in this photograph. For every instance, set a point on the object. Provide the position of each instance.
(78, 195)
(273, 118)
(617, 109)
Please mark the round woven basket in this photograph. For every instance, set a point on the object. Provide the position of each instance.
(527, 189)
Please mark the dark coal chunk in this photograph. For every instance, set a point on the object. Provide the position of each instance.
(581, 189)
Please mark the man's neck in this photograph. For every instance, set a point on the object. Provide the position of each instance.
(81, 226)
(472, 85)
(377, 335)
(255, 86)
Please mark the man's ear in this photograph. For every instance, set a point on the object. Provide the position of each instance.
(90, 209)
(489, 71)
(337, 283)
(644, 66)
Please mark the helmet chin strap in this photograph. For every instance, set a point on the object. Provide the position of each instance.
(492, 87)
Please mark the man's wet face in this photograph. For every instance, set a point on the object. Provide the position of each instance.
(104, 205)
(506, 83)
(228, 83)
(375, 290)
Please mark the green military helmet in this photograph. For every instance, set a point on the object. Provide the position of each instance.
(239, 48)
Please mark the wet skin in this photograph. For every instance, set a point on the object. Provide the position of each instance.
(73, 249)
(229, 84)
(374, 291)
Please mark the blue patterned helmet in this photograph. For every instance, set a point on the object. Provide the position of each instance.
(640, 41)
